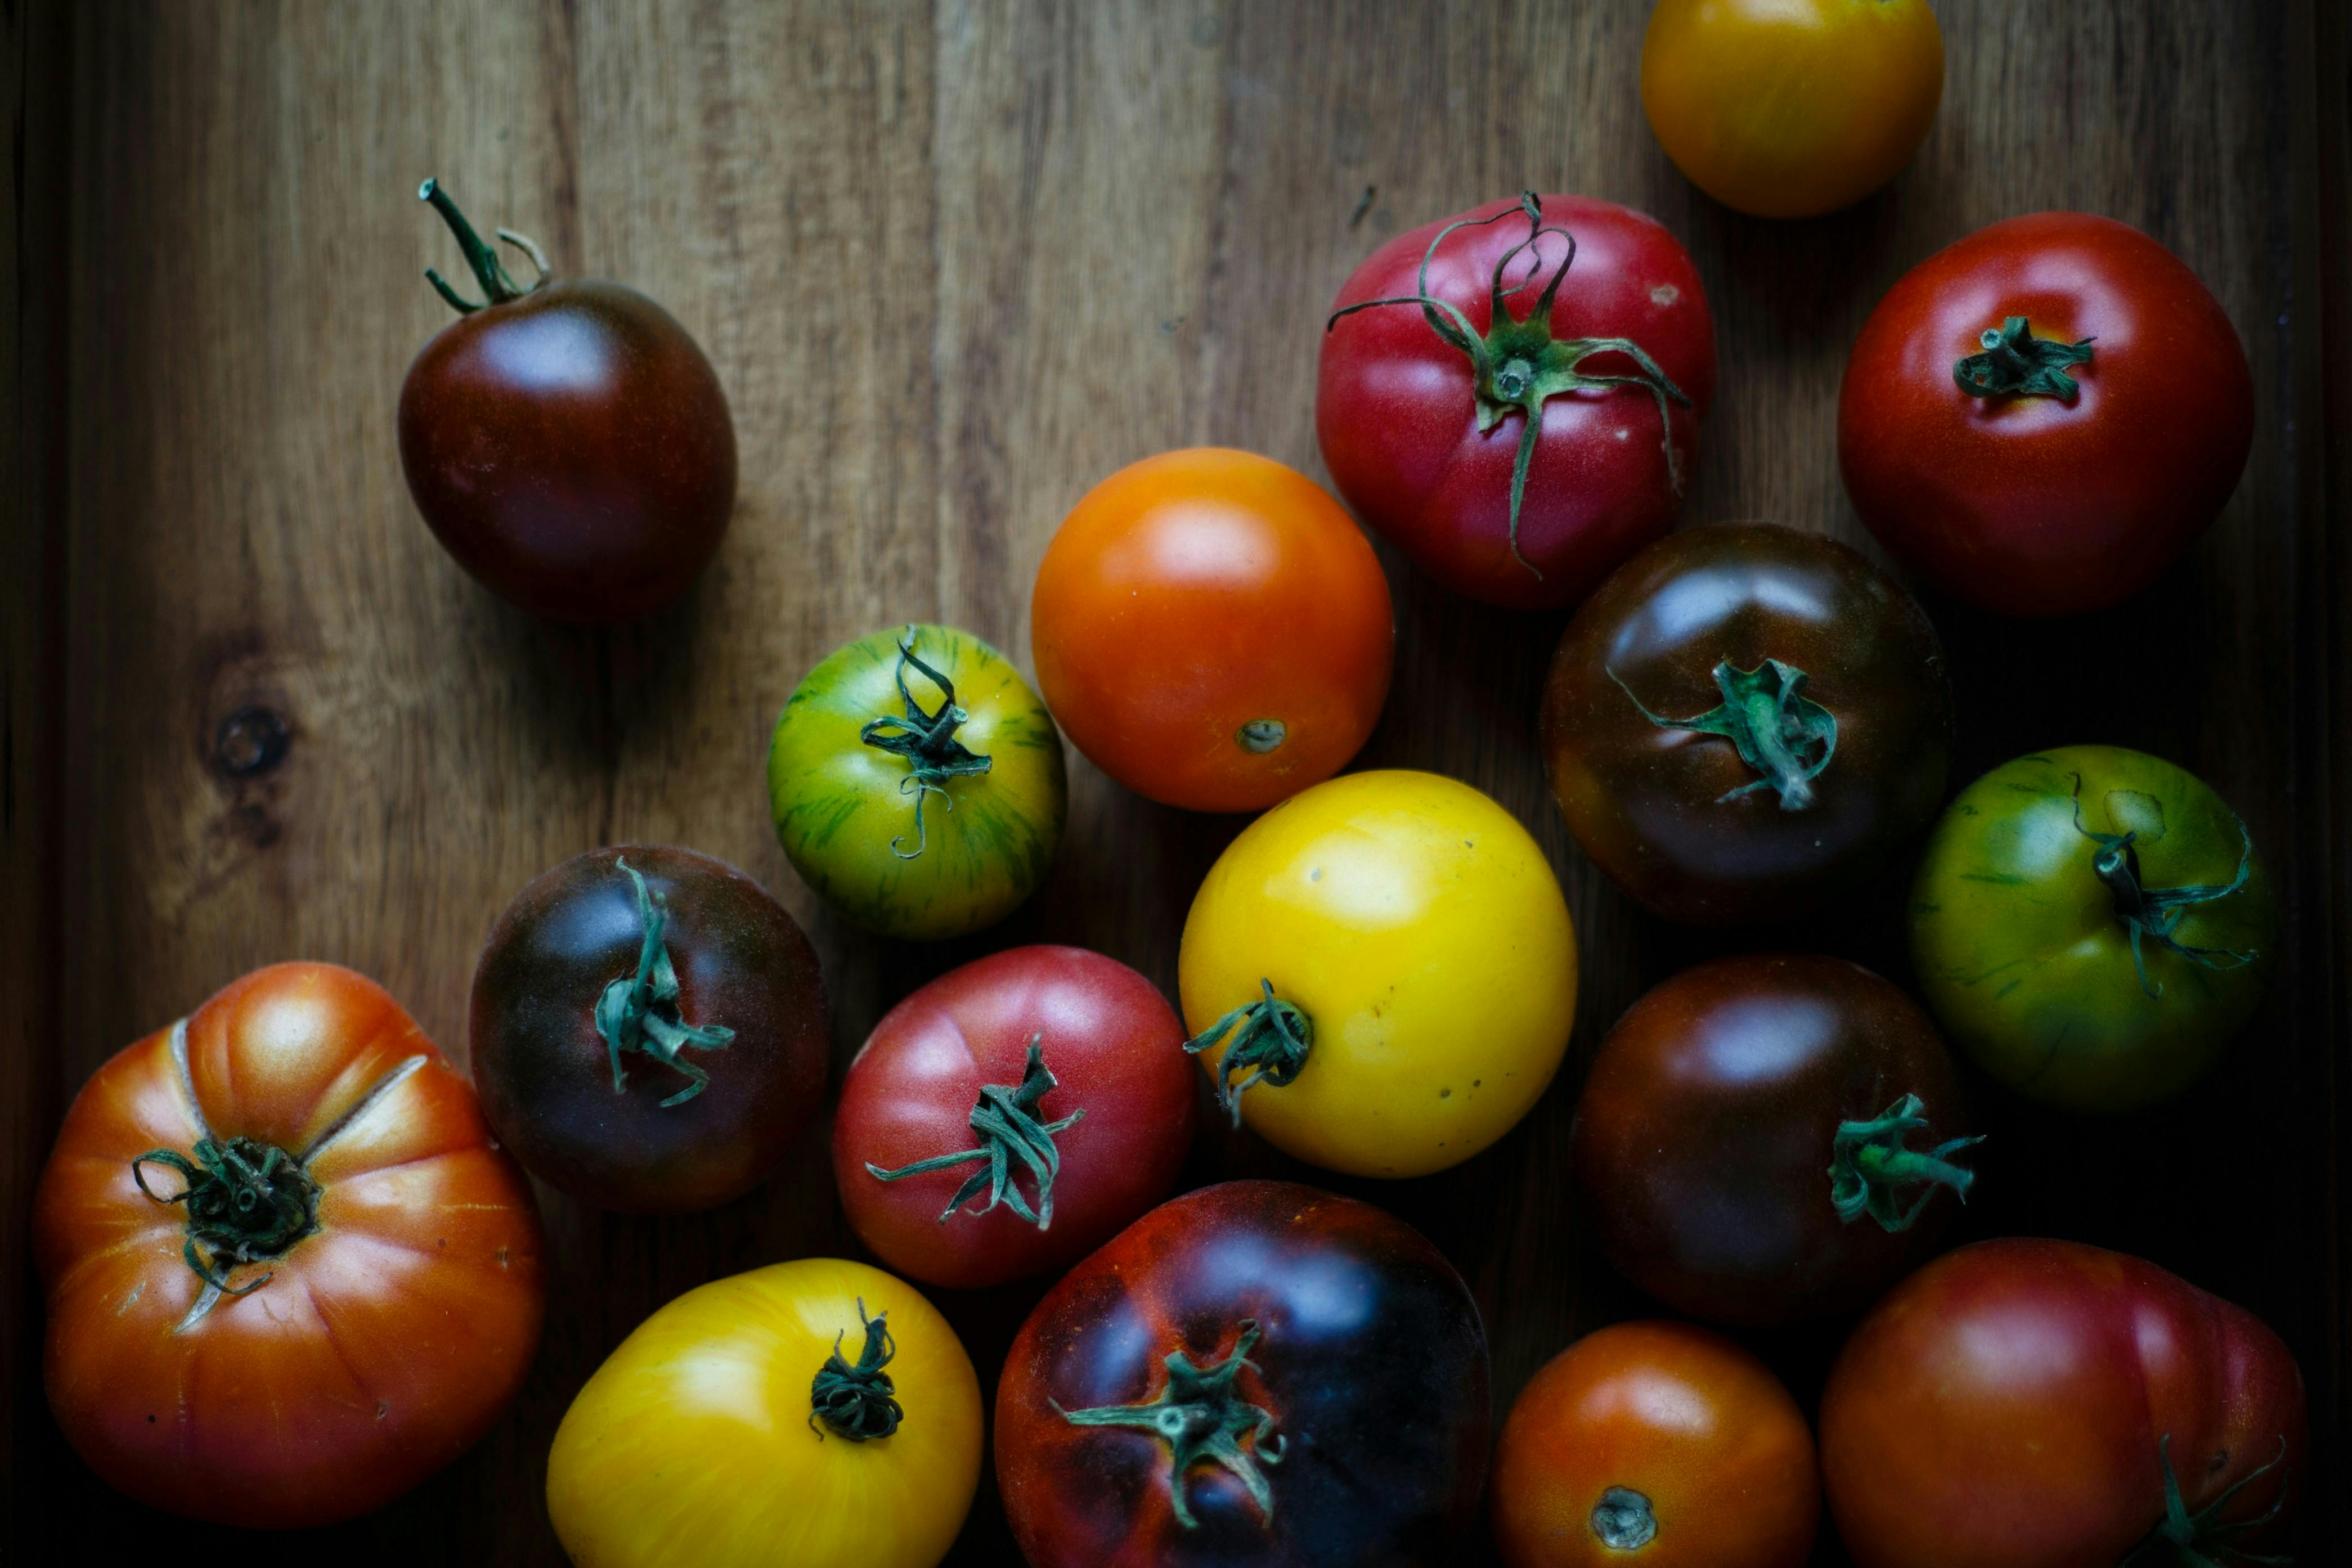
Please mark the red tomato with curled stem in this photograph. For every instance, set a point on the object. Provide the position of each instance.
(2034, 1404)
(1608, 374)
(1008, 1118)
(567, 440)
(2040, 418)
(290, 1273)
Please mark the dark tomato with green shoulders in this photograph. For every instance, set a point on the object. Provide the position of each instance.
(1769, 1137)
(2093, 924)
(648, 1029)
(1745, 722)
(1256, 1373)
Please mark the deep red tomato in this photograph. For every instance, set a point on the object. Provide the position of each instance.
(567, 442)
(2028, 1403)
(1253, 1373)
(1609, 366)
(1746, 722)
(2041, 417)
(1655, 1444)
(289, 1274)
(1213, 631)
(1009, 1117)
(648, 1029)
(1768, 1137)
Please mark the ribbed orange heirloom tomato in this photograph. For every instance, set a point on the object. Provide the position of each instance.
(1655, 1445)
(1213, 630)
(289, 1274)
(1786, 109)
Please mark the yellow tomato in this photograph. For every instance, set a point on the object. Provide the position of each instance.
(1418, 938)
(1784, 109)
(698, 1441)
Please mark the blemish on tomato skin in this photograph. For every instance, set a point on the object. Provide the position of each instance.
(1664, 294)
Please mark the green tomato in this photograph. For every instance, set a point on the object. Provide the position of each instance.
(2093, 924)
(916, 783)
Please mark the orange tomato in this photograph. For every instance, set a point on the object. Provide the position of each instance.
(1786, 109)
(1213, 631)
(1658, 1443)
(357, 1294)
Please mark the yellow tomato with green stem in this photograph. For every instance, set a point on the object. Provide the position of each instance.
(816, 1414)
(1787, 109)
(1379, 974)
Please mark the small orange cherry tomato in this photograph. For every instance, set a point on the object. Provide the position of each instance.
(1655, 1445)
(1786, 109)
(1213, 631)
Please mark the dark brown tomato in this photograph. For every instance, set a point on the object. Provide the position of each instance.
(1734, 1105)
(692, 1120)
(1719, 643)
(569, 445)
(1335, 1349)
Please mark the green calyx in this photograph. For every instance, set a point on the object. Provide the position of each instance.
(926, 740)
(1006, 1118)
(1202, 1418)
(1870, 1166)
(2016, 363)
(1269, 1045)
(2155, 914)
(2203, 1538)
(246, 1202)
(857, 1402)
(640, 1012)
(496, 281)
(1519, 365)
(1778, 731)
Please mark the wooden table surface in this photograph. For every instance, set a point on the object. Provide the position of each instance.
(954, 262)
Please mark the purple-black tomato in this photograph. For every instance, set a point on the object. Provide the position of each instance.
(1771, 1137)
(648, 1029)
(1256, 1373)
(567, 442)
(1746, 721)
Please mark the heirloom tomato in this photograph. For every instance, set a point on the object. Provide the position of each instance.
(566, 442)
(1746, 721)
(2093, 925)
(1609, 371)
(1379, 974)
(648, 1029)
(1788, 109)
(2040, 418)
(289, 1274)
(2029, 1404)
(1253, 1373)
(816, 1414)
(1213, 631)
(1765, 1137)
(916, 783)
(1005, 1119)
(1656, 1445)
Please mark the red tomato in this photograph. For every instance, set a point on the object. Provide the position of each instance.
(346, 1297)
(2027, 1404)
(1659, 1444)
(1617, 353)
(1213, 631)
(1048, 1090)
(2128, 416)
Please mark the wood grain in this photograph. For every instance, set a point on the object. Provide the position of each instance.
(954, 262)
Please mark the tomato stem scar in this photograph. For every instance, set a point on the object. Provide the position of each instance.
(1201, 1415)
(1270, 1039)
(1869, 1164)
(1006, 1118)
(640, 1012)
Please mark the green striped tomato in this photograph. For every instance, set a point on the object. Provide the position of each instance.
(916, 783)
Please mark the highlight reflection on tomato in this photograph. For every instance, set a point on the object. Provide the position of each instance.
(289, 1273)
(1253, 1373)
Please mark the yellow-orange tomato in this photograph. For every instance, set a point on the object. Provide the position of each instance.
(1213, 631)
(1784, 109)
(1655, 1444)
